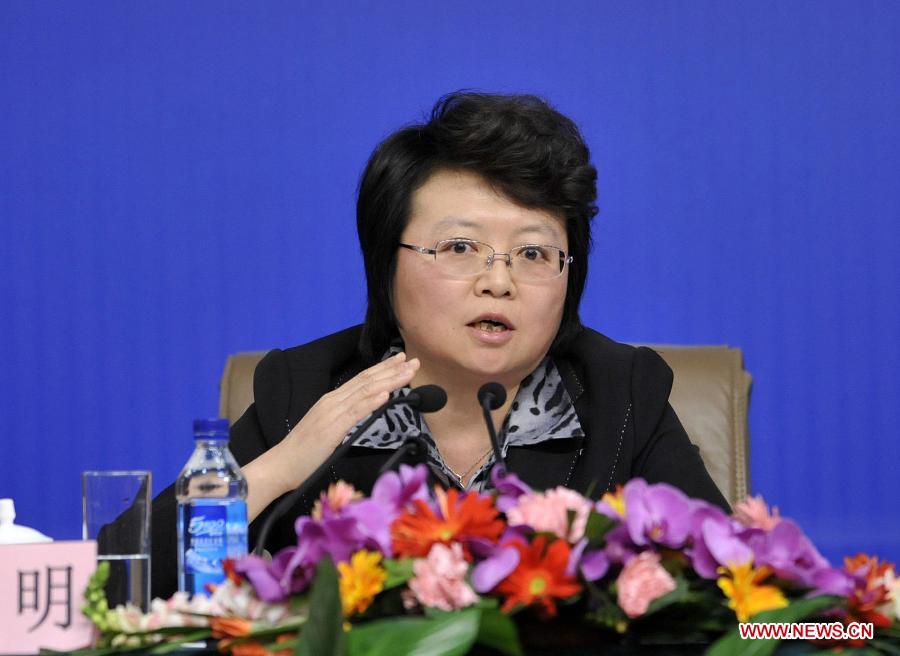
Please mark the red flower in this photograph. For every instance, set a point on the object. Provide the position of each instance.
(230, 573)
(540, 577)
(471, 516)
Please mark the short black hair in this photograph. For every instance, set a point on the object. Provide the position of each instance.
(523, 147)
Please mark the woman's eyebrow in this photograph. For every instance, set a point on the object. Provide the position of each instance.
(459, 222)
(541, 228)
(454, 222)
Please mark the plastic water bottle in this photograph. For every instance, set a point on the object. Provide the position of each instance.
(212, 509)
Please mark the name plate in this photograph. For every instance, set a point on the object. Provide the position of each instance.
(41, 595)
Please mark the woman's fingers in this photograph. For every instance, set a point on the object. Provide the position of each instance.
(336, 413)
(365, 392)
(390, 374)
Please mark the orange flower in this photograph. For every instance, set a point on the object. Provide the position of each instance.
(540, 577)
(870, 594)
(252, 648)
(245, 649)
(229, 627)
(413, 533)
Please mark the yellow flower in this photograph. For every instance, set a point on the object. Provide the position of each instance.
(615, 500)
(745, 596)
(361, 579)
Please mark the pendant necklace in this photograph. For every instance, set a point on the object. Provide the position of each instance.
(460, 477)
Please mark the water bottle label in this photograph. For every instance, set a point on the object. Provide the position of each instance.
(212, 532)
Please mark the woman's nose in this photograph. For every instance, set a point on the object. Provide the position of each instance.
(496, 279)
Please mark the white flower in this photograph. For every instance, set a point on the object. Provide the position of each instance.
(892, 607)
(239, 600)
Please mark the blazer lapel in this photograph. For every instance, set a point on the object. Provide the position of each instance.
(545, 464)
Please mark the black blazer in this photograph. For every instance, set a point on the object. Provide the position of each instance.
(620, 394)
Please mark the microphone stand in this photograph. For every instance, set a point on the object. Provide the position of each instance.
(427, 398)
(291, 498)
(492, 398)
(413, 446)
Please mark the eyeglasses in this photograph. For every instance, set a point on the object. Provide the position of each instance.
(467, 257)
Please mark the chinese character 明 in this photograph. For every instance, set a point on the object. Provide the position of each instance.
(57, 591)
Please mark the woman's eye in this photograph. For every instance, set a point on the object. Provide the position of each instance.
(533, 254)
(459, 248)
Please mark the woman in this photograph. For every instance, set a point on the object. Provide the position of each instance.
(475, 231)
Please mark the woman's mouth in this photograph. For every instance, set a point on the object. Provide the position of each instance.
(489, 325)
(493, 331)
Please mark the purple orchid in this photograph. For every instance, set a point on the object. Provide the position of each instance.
(373, 524)
(493, 569)
(496, 560)
(831, 581)
(509, 488)
(792, 556)
(717, 541)
(290, 571)
(592, 564)
(393, 491)
(657, 513)
(619, 547)
(263, 578)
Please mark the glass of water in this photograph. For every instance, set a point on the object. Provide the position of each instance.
(116, 513)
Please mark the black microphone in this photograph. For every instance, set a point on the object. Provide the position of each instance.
(492, 396)
(426, 398)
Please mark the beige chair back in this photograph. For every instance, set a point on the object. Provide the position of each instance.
(711, 394)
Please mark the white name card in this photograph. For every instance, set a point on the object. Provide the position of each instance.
(41, 595)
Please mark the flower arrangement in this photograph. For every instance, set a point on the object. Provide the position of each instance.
(413, 570)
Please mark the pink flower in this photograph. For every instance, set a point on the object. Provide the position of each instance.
(549, 511)
(641, 581)
(754, 512)
(439, 579)
(339, 495)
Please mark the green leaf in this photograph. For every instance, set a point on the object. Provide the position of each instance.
(176, 645)
(680, 594)
(324, 632)
(892, 631)
(497, 630)
(95, 606)
(598, 525)
(606, 611)
(884, 647)
(731, 643)
(398, 572)
(450, 635)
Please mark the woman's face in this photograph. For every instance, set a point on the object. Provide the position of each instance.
(439, 315)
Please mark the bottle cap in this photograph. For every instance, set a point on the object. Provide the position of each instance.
(7, 511)
(212, 428)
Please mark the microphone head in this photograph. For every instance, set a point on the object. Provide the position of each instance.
(427, 398)
(492, 394)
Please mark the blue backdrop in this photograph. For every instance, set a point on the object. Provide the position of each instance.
(177, 183)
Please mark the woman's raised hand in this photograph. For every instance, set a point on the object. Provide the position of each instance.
(283, 467)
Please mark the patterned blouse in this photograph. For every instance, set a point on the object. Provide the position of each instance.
(541, 411)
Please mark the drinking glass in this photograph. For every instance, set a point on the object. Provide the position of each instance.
(116, 513)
